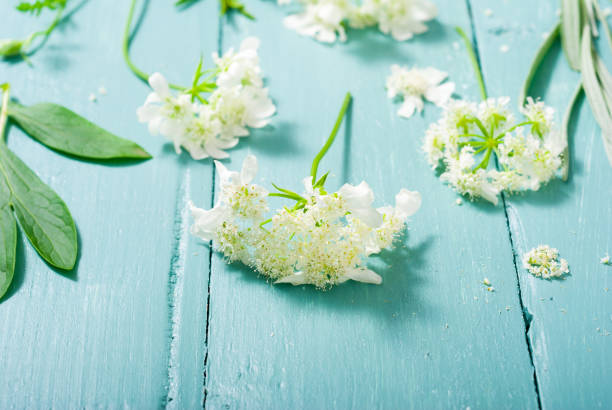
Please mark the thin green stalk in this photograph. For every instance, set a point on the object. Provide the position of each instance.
(474, 61)
(331, 138)
(542, 51)
(4, 111)
(126, 51)
(565, 130)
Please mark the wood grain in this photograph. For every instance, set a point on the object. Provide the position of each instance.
(571, 320)
(125, 329)
(431, 335)
(130, 327)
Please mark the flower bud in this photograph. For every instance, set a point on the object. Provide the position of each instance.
(10, 47)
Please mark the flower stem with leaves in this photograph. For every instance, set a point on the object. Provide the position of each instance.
(19, 47)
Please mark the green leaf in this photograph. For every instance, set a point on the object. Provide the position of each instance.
(8, 239)
(63, 130)
(37, 6)
(542, 51)
(42, 214)
(594, 91)
(571, 30)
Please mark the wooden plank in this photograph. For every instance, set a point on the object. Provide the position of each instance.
(571, 318)
(431, 336)
(126, 328)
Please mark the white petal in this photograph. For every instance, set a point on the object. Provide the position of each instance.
(359, 202)
(357, 196)
(308, 185)
(249, 169)
(407, 203)
(211, 148)
(159, 84)
(226, 176)
(296, 279)
(434, 76)
(364, 275)
(440, 95)
(206, 223)
(408, 107)
(249, 43)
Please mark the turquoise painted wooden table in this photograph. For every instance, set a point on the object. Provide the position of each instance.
(151, 319)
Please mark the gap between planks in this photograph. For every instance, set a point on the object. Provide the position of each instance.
(210, 251)
(527, 317)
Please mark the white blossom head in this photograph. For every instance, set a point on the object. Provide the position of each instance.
(324, 240)
(464, 141)
(206, 127)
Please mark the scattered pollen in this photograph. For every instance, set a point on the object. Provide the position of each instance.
(488, 12)
(504, 48)
(486, 282)
(102, 90)
(92, 97)
(459, 201)
(605, 260)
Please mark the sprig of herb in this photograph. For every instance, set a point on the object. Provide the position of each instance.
(41, 213)
(203, 80)
(19, 47)
(224, 7)
(577, 28)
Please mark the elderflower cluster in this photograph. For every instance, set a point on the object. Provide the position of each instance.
(325, 20)
(544, 262)
(415, 84)
(206, 128)
(463, 142)
(324, 240)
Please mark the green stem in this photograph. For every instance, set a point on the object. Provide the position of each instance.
(474, 60)
(330, 139)
(126, 51)
(4, 111)
(542, 51)
(522, 124)
(565, 130)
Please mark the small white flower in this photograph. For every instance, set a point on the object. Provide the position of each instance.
(544, 262)
(206, 130)
(325, 20)
(404, 18)
(321, 19)
(166, 114)
(605, 260)
(463, 142)
(415, 84)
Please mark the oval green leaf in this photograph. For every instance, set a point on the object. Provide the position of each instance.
(42, 214)
(63, 130)
(8, 239)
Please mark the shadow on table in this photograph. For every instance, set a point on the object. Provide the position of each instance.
(394, 300)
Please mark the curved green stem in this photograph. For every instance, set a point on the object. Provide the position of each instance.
(542, 51)
(126, 51)
(474, 60)
(522, 124)
(331, 138)
(4, 112)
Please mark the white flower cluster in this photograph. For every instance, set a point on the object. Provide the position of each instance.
(325, 20)
(238, 101)
(544, 262)
(324, 240)
(415, 84)
(462, 143)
